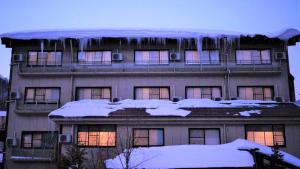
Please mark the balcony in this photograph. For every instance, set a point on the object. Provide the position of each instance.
(33, 155)
(36, 107)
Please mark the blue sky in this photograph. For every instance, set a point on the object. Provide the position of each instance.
(253, 16)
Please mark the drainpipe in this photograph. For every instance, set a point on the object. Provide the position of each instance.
(225, 133)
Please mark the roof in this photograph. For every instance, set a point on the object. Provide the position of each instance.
(197, 156)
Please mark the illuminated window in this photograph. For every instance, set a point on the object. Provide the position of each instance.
(151, 57)
(97, 136)
(148, 137)
(42, 95)
(93, 93)
(44, 58)
(95, 57)
(255, 93)
(203, 92)
(144, 93)
(39, 139)
(207, 57)
(267, 135)
(204, 136)
(253, 57)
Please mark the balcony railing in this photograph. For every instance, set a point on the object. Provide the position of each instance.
(38, 155)
(36, 106)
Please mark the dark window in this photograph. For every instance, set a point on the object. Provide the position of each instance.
(253, 57)
(95, 57)
(203, 92)
(151, 57)
(255, 93)
(44, 58)
(39, 139)
(267, 135)
(93, 93)
(148, 137)
(142, 93)
(42, 95)
(207, 57)
(97, 136)
(204, 136)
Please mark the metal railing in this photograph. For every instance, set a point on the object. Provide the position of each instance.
(41, 155)
(37, 106)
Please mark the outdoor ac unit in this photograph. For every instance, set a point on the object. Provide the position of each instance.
(175, 57)
(11, 142)
(280, 55)
(279, 99)
(18, 58)
(117, 56)
(234, 98)
(217, 98)
(65, 138)
(15, 95)
(116, 99)
(176, 99)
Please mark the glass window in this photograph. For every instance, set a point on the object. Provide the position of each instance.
(102, 135)
(95, 57)
(151, 57)
(44, 58)
(42, 95)
(255, 93)
(267, 135)
(39, 139)
(145, 93)
(253, 57)
(93, 93)
(203, 92)
(204, 136)
(148, 137)
(207, 57)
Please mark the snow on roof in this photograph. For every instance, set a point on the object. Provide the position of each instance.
(137, 33)
(248, 113)
(196, 156)
(84, 108)
(2, 113)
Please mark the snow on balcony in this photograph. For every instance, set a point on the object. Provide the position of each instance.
(197, 156)
(85, 108)
(2, 113)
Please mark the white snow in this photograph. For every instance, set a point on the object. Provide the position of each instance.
(2, 113)
(248, 113)
(137, 33)
(196, 156)
(85, 108)
(1, 157)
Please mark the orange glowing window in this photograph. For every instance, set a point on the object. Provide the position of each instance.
(268, 135)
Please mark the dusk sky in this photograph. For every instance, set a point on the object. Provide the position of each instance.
(251, 16)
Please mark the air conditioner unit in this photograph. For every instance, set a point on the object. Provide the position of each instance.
(116, 99)
(280, 55)
(65, 138)
(175, 57)
(176, 99)
(279, 99)
(117, 56)
(234, 98)
(11, 141)
(217, 98)
(18, 58)
(15, 95)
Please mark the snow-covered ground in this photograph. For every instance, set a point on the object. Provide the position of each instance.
(85, 108)
(2, 113)
(196, 156)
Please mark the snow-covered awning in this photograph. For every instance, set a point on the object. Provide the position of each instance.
(197, 156)
(94, 108)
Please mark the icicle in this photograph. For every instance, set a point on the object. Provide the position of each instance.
(216, 42)
(55, 46)
(64, 44)
(199, 45)
(71, 48)
(42, 46)
(83, 44)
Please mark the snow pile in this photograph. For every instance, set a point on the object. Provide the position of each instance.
(196, 156)
(2, 113)
(249, 103)
(297, 103)
(85, 108)
(248, 113)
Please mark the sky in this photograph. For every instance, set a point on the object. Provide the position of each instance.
(250, 16)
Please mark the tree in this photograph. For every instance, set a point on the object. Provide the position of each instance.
(73, 158)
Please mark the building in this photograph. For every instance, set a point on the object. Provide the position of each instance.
(52, 68)
(3, 99)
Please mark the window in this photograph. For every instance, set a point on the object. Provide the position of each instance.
(44, 58)
(268, 135)
(97, 136)
(203, 92)
(42, 95)
(160, 93)
(204, 136)
(95, 57)
(93, 93)
(207, 57)
(39, 139)
(151, 57)
(148, 137)
(255, 93)
(253, 57)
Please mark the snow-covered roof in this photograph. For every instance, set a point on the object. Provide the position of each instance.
(138, 33)
(2, 113)
(196, 156)
(85, 108)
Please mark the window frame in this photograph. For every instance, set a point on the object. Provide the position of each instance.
(201, 62)
(155, 87)
(204, 129)
(260, 56)
(272, 126)
(151, 50)
(111, 57)
(45, 65)
(43, 102)
(148, 129)
(23, 133)
(211, 87)
(94, 87)
(271, 87)
(90, 125)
